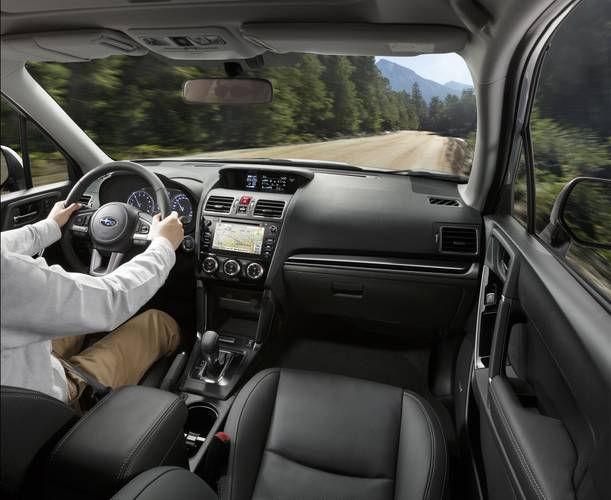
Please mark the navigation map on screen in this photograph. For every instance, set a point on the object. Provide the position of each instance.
(238, 238)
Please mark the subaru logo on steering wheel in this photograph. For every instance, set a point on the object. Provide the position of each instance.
(108, 221)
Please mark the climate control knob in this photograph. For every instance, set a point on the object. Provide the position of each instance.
(254, 270)
(231, 267)
(210, 265)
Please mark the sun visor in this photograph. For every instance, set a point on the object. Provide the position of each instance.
(69, 46)
(356, 39)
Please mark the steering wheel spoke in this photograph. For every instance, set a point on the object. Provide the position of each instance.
(142, 234)
(79, 223)
(99, 266)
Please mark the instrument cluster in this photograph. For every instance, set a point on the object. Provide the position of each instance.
(143, 199)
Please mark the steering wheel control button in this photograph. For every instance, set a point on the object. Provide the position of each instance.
(210, 265)
(188, 244)
(144, 228)
(231, 268)
(254, 271)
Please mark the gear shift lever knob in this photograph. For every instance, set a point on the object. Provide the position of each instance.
(209, 346)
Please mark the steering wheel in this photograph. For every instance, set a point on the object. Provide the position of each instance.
(114, 228)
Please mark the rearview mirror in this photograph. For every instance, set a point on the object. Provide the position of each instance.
(582, 213)
(227, 91)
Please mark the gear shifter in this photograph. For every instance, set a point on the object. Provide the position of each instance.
(209, 346)
(215, 360)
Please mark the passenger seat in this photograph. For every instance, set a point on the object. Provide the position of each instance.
(299, 435)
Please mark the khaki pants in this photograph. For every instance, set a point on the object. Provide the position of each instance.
(123, 356)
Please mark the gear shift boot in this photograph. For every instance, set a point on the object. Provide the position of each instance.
(214, 365)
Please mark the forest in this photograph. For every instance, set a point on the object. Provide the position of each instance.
(132, 106)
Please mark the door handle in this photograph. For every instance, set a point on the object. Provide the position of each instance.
(20, 218)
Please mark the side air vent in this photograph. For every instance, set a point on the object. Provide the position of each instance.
(444, 202)
(221, 204)
(85, 200)
(458, 240)
(269, 208)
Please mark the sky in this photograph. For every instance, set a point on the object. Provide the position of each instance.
(438, 67)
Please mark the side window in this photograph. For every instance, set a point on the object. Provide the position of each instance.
(571, 128)
(520, 192)
(46, 163)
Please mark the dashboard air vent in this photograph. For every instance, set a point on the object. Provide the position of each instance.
(221, 204)
(85, 200)
(458, 240)
(269, 208)
(445, 202)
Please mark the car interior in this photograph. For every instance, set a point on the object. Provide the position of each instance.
(347, 332)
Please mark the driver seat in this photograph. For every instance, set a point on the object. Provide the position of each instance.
(31, 423)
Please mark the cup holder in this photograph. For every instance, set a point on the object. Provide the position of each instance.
(200, 420)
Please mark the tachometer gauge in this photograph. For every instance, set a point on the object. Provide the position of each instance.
(142, 201)
(182, 205)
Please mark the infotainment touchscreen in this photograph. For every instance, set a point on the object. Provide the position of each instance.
(242, 238)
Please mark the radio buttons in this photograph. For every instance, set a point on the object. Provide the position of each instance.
(231, 267)
(254, 270)
(210, 265)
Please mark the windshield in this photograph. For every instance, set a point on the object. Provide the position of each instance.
(407, 113)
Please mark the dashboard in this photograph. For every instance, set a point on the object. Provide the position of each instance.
(398, 253)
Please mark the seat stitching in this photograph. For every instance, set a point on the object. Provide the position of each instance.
(301, 464)
(516, 446)
(53, 401)
(394, 493)
(179, 435)
(445, 449)
(430, 474)
(75, 428)
(237, 427)
(128, 462)
(153, 480)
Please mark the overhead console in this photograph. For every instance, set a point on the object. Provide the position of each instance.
(241, 220)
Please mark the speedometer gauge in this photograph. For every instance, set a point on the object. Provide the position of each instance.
(142, 201)
(182, 205)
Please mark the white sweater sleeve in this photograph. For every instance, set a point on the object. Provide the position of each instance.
(31, 239)
(40, 302)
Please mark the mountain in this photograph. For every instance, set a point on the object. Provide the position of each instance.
(402, 78)
(458, 86)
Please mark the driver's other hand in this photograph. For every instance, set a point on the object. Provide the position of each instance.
(169, 228)
(61, 214)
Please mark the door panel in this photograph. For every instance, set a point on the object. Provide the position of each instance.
(543, 386)
(31, 205)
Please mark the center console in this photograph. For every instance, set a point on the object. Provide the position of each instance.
(241, 221)
(239, 227)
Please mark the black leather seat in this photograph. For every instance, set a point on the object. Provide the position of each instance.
(307, 435)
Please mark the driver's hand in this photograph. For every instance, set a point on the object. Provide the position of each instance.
(169, 228)
(61, 214)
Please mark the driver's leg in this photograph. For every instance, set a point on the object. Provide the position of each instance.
(66, 347)
(124, 355)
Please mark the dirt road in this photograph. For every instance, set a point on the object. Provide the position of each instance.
(407, 149)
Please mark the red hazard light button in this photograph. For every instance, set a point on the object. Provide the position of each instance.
(245, 200)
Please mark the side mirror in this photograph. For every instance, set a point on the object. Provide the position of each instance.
(11, 167)
(581, 214)
(227, 91)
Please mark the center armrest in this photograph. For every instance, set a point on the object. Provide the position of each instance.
(132, 430)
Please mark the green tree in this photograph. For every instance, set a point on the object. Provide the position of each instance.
(419, 104)
(346, 104)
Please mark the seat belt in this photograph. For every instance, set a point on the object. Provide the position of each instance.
(98, 390)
